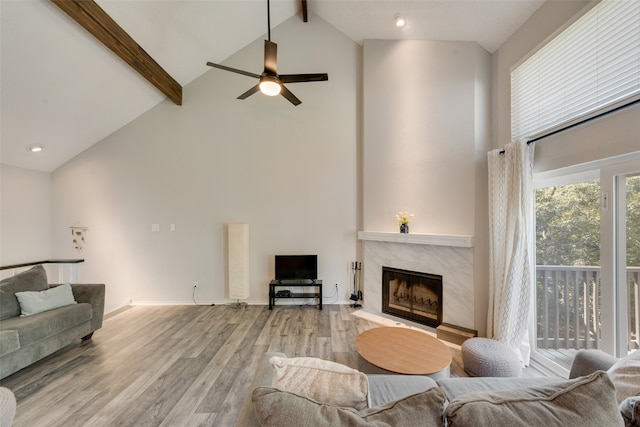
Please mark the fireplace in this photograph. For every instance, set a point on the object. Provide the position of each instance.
(446, 255)
(412, 295)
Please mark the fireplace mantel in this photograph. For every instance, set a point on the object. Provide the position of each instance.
(455, 240)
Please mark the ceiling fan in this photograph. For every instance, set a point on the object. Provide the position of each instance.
(270, 82)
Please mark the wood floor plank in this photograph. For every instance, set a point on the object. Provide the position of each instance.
(155, 403)
(232, 404)
(241, 358)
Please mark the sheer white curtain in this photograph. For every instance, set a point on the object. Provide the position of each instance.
(510, 258)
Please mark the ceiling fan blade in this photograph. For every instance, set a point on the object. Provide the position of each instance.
(233, 70)
(301, 78)
(290, 96)
(270, 57)
(250, 92)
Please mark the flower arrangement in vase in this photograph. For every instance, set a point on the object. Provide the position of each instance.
(403, 221)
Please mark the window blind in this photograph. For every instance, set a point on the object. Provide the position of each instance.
(590, 68)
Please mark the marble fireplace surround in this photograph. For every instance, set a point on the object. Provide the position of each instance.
(450, 256)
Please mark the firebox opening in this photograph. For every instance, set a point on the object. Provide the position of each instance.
(412, 295)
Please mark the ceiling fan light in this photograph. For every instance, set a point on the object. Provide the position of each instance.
(270, 86)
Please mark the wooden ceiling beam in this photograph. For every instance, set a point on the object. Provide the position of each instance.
(96, 21)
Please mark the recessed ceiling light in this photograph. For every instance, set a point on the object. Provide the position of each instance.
(36, 148)
(399, 20)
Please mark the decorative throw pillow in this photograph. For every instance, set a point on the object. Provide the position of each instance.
(580, 402)
(36, 302)
(321, 380)
(278, 408)
(34, 279)
(625, 375)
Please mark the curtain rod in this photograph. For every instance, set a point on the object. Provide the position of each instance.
(586, 120)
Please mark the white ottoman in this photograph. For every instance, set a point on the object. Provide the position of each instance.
(484, 357)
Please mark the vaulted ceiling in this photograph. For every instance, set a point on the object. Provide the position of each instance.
(62, 89)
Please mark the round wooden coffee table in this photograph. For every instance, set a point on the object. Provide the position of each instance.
(403, 351)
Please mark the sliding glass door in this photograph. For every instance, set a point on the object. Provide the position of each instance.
(587, 291)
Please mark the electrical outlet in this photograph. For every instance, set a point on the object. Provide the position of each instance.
(195, 284)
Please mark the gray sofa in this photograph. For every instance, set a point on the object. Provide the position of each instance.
(588, 370)
(25, 340)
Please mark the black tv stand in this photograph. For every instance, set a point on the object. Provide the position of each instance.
(273, 294)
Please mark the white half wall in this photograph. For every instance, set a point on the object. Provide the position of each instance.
(290, 172)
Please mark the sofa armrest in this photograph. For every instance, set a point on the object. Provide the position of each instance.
(587, 362)
(93, 294)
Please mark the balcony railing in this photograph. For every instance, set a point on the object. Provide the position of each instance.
(568, 306)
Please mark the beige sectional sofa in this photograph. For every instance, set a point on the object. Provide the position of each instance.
(601, 391)
(27, 339)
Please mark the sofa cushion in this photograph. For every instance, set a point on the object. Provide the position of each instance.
(34, 279)
(583, 401)
(275, 407)
(321, 380)
(9, 341)
(625, 374)
(386, 388)
(32, 329)
(455, 387)
(36, 302)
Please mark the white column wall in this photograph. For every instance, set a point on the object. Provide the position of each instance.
(426, 134)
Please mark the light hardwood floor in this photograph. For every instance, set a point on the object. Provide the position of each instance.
(177, 365)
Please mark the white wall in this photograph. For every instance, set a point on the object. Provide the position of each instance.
(25, 215)
(289, 172)
(421, 133)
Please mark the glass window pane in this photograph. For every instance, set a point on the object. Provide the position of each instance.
(567, 269)
(632, 190)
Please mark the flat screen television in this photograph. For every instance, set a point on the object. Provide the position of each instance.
(296, 267)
